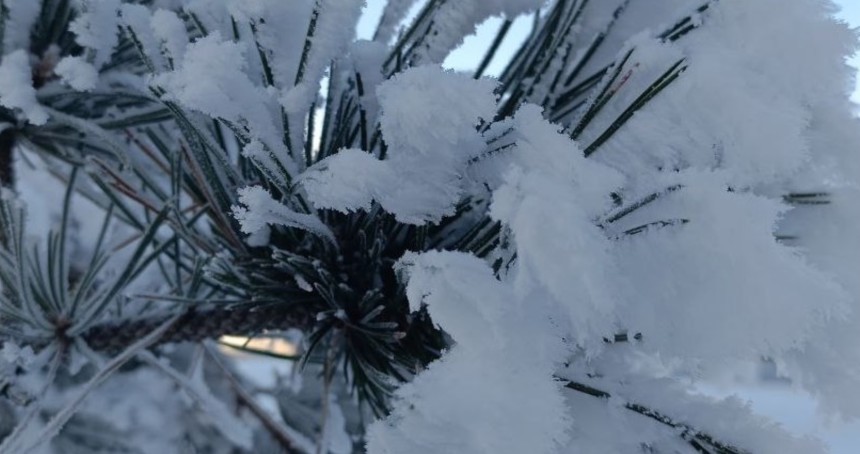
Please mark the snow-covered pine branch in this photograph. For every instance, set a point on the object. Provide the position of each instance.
(648, 193)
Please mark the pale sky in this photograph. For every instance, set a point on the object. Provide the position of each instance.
(851, 13)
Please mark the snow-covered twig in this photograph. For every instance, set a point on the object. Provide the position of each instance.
(698, 440)
(238, 434)
(275, 430)
(62, 417)
(24, 424)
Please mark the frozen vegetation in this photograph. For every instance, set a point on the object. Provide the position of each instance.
(559, 258)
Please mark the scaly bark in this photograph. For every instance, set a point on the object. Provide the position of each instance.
(198, 325)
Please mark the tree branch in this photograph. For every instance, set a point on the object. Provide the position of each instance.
(7, 157)
(198, 325)
(275, 429)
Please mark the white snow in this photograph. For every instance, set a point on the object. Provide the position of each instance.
(138, 20)
(514, 408)
(454, 21)
(697, 271)
(16, 87)
(97, 28)
(211, 79)
(258, 210)
(429, 140)
(78, 73)
(170, 31)
(759, 110)
(393, 14)
(19, 18)
(347, 181)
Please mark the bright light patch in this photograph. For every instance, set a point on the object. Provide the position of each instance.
(235, 345)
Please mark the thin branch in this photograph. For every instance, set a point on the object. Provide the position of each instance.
(62, 417)
(24, 424)
(276, 430)
(197, 325)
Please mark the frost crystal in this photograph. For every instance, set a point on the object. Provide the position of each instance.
(260, 210)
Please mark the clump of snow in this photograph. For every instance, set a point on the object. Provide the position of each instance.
(284, 22)
(261, 210)
(138, 20)
(429, 140)
(297, 69)
(549, 199)
(605, 425)
(826, 234)
(211, 79)
(455, 396)
(170, 31)
(348, 181)
(78, 73)
(368, 57)
(335, 29)
(16, 87)
(97, 28)
(18, 20)
(394, 13)
(676, 279)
